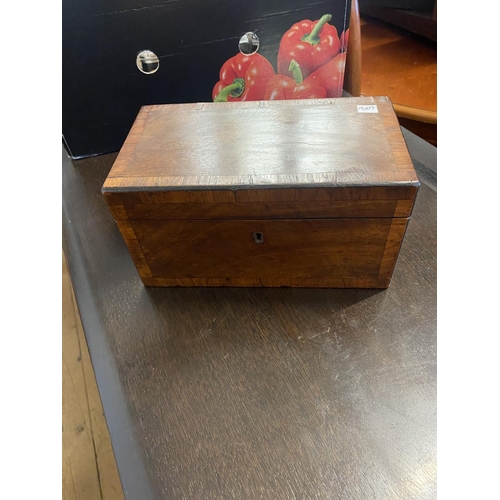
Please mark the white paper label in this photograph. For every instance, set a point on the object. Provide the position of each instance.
(371, 108)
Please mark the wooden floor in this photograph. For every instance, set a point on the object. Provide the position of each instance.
(89, 468)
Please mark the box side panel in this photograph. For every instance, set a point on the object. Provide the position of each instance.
(392, 248)
(135, 249)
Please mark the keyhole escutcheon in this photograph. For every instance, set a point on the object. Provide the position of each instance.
(258, 237)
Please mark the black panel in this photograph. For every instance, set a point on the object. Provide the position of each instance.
(102, 88)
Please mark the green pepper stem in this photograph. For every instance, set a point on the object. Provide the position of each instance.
(296, 71)
(235, 89)
(313, 37)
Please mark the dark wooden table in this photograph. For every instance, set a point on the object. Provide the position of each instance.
(260, 393)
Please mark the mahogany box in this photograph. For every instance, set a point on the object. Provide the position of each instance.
(305, 193)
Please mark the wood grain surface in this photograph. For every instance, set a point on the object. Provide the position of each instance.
(262, 210)
(89, 468)
(398, 64)
(296, 252)
(191, 185)
(249, 393)
(80, 477)
(314, 252)
(278, 143)
(402, 66)
(224, 204)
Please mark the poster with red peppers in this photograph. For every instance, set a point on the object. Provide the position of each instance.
(119, 55)
(310, 64)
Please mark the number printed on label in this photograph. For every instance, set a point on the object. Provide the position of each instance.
(371, 108)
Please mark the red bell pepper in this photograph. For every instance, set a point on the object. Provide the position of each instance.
(281, 87)
(344, 40)
(331, 76)
(311, 44)
(243, 78)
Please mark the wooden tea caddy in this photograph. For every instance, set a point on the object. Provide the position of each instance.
(306, 193)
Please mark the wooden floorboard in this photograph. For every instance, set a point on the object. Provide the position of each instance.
(89, 467)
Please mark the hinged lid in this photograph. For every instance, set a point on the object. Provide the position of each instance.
(314, 153)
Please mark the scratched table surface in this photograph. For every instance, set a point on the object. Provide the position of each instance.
(260, 393)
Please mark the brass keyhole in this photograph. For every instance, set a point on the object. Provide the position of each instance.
(258, 237)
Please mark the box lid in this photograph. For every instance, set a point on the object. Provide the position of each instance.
(267, 145)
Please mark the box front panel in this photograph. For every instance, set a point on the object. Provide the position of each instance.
(285, 250)
(244, 204)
